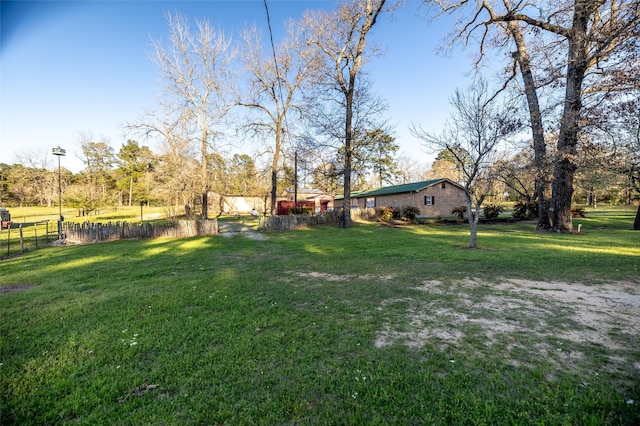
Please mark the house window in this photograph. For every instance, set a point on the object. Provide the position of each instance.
(371, 202)
(443, 185)
(429, 200)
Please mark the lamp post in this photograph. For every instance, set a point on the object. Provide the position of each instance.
(59, 152)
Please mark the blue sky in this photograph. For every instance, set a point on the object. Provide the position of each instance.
(71, 67)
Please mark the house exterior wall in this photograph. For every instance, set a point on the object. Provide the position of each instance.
(444, 200)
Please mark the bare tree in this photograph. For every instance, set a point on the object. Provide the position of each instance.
(540, 159)
(196, 70)
(633, 165)
(408, 170)
(518, 175)
(42, 183)
(275, 81)
(588, 39)
(177, 168)
(29, 185)
(598, 169)
(472, 137)
(340, 38)
(623, 129)
(98, 158)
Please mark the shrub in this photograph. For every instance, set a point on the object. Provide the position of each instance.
(385, 213)
(410, 212)
(459, 211)
(525, 210)
(172, 216)
(578, 212)
(397, 213)
(492, 211)
(300, 210)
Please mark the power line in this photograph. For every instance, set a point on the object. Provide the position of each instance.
(273, 49)
(275, 61)
(275, 58)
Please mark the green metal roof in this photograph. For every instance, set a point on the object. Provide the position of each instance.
(398, 189)
(395, 189)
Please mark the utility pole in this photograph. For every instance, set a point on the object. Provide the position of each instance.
(59, 152)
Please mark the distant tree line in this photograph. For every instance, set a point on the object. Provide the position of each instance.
(135, 174)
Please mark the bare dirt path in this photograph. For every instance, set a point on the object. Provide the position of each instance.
(565, 323)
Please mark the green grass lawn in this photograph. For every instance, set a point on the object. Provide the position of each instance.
(35, 227)
(370, 325)
(118, 213)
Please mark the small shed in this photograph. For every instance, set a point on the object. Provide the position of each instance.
(316, 198)
(286, 207)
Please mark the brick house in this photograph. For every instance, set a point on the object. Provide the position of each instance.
(436, 197)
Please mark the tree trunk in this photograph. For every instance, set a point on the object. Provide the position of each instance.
(346, 203)
(473, 231)
(130, 191)
(274, 194)
(274, 171)
(562, 195)
(221, 204)
(565, 165)
(204, 171)
(472, 218)
(542, 184)
(205, 204)
(636, 223)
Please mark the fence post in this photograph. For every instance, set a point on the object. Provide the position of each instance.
(46, 229)
(35, 232)
(8, 240)
(21, 239)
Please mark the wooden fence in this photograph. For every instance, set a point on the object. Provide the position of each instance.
(92, 232)
(281, 223)
(25, 236)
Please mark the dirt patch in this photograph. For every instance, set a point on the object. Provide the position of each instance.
(256, 236)
(334, 277)
(395, 223)
(552, 320)
(14, 288)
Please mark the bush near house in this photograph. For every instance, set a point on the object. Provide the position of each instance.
(410, 213)
(397, 213)
(525, 210)
(459, 211)
(300, 210)
(492, 211)
(385, 213)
